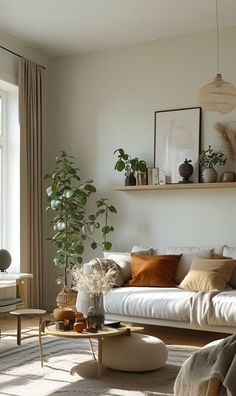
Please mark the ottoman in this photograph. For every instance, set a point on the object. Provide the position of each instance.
(138, 352)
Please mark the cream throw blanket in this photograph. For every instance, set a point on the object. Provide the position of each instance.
(201, 309)
(217, 361)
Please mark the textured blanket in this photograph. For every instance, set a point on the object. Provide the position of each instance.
(214, 361)
(201, 309)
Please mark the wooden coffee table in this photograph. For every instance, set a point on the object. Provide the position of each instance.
(99, 336)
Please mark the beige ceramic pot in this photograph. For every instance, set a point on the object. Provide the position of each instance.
(209, 175)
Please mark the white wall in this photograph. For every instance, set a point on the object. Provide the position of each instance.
(105, 100)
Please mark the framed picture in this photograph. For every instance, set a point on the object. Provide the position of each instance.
(177, 136)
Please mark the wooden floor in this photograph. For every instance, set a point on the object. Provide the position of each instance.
(167, 334)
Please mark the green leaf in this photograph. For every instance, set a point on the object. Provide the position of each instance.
(105, 230)
(79, 249)
(120, 151)
(120, 166)
(90, 188)
(99, 212)
(94, 245)
(112, 209)
(107, 245)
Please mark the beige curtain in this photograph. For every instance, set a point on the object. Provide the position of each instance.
(31, 77)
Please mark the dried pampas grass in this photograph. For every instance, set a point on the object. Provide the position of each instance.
(228, 136)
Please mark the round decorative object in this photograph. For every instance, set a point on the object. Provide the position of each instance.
(63, 313)
(80, 323)
(142, 353)
(185, 171)
(67, 298)
(227, 177)
(130, 180)
(209, 175)
(5, 260)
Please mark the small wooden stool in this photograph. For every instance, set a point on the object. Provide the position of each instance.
(20, 312)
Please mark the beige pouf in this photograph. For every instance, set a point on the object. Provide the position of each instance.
(138, 352)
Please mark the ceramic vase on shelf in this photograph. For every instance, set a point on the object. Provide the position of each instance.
(130, 180)
(96, 314)
(209, 175)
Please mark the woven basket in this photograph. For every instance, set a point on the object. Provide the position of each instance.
(67, 299)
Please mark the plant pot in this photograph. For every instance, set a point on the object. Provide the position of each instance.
(63, 313)
(209, 175)
(130, 180)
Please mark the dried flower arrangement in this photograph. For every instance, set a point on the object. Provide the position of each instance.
(228, 137)
(97, 282)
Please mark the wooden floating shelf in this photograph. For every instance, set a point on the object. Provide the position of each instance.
(176, 186)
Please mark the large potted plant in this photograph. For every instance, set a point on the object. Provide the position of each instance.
(207, 160)
(129, 165)
(72, 226)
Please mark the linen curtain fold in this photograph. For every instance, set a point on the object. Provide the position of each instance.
(31, 83)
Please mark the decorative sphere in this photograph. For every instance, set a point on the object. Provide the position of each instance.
(5, 259)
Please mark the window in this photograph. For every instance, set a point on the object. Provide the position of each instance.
(10, 173)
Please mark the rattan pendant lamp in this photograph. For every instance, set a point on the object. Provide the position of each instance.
(217, 95)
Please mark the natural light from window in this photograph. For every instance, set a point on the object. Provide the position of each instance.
(10, 173)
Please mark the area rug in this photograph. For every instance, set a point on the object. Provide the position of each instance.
(69, 369)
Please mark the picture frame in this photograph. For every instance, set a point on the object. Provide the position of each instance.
(177, 136)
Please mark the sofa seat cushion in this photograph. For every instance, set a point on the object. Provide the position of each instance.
(224, 309)
(149, 302)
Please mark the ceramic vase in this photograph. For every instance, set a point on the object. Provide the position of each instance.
(130, 180)
(209, 175)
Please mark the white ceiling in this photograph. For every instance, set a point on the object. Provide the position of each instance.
(66, 27)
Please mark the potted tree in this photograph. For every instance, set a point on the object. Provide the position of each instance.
(129, 165)
(72, 226)
(207, 160)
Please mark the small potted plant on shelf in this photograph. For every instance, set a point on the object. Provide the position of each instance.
(73, 227)
(130, 166)
(207, 160)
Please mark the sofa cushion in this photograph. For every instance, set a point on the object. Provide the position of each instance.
(153, 270)
(123, 260)
(188, 253)
(149, 302)
(231, 252)
(208, 274)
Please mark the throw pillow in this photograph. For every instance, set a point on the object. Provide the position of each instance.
(231, 252)
(188, 253)
(123, 260)
(105, 265)
(155, 271)
(208, 274)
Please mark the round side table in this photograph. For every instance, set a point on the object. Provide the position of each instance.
(24, 312)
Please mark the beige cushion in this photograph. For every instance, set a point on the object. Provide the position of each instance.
(231, 252)
(208, 274)
(138, 352)
(123, 260)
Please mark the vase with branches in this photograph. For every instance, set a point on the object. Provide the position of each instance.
(208, 159)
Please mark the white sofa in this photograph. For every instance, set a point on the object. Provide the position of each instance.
(174, 307)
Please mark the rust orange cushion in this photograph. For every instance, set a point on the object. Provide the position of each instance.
(157, 271)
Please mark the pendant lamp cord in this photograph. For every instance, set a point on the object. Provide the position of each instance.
(217, 38)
